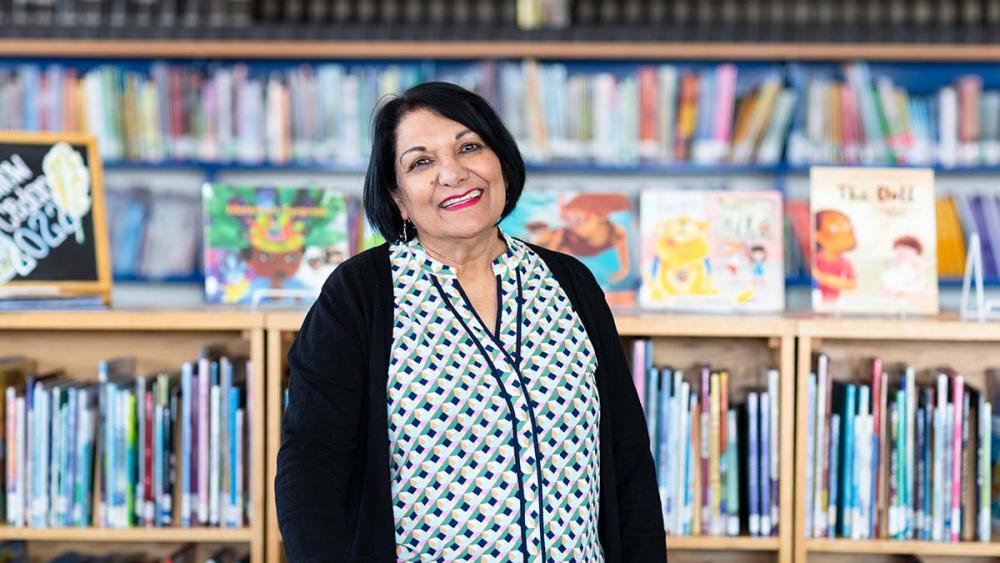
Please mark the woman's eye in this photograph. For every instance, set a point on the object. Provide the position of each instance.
(419, 162)
(469, 147)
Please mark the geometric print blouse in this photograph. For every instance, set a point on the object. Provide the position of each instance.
(493, 434)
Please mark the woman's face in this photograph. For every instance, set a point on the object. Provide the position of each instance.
(450, 183)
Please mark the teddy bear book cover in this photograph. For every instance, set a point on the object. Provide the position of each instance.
(874, 240)
(281, 243)
(711, 251)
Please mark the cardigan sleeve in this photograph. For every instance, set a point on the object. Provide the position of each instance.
(641, 519)
(322, 425)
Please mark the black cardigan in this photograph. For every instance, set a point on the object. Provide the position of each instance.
(332, 487)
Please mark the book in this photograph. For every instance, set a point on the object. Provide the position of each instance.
(711, 250)
(261, 242)
(874, 240)
(599, 228)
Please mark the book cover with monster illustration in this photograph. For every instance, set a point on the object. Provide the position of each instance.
(598, 228)
(711, 250)
(259, 240)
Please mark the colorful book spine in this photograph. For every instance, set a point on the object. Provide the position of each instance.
(765, 465)
(753, 473)
(956, 483)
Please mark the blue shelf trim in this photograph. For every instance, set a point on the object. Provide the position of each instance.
(196, 278)
(555, 167)
(542, 168)
(938, 169)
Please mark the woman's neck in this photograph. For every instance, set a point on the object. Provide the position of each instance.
(466, 256)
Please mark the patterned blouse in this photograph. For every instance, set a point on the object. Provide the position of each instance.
(493, 433)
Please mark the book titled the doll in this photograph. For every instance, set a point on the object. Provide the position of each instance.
(874, 240)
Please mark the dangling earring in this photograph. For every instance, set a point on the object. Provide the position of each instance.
(405, 238)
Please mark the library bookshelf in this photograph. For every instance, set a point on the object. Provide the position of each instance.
(743, 344)
(160, 341)
(921, 342)
(604, 50)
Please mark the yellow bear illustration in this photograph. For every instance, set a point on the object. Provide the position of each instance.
(680, 265)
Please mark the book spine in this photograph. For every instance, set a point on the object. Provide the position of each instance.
(185, 452)
(811, 472)
(939, 453)
(215, 403)
(850, 492)
(819, 441)
(985, 471)
(664, 445)
(240, 471)
(773, 391)
(696, 466)
(752, 469)
(202, 441)
(911, 430)
(956, 460)
(723, 442)
(877, 425)
(706, 416)
(679, 447)
(833, 517)
(713, 459)
(918, 478)
(733, 478)
(148, 503)
(765, 468)
(139, 494)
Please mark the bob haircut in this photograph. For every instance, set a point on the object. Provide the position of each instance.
(449, 101)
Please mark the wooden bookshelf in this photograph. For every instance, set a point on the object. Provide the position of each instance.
(617, 50)
(159, 340)
(921, 342)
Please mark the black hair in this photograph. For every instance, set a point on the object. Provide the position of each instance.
(449, 101)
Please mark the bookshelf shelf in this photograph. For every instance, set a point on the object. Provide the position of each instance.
(910, 547)
(711, 543)
(202, 320)
(304, 49)
(129, 534)
(160, 341)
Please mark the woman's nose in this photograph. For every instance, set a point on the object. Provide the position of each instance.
(451, 172)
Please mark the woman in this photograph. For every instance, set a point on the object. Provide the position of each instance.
(456, 394)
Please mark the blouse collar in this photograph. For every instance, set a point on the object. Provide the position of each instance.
(503, 263)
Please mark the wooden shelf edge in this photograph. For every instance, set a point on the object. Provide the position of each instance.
(721, 543)
(267, 49)
(162, 319)
(664, 324)
(288, 321)
(904, 547)
(914, 328)
(129, 534)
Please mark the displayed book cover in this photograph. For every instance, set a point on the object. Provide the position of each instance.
(712, 250)
(278, 243)
(598, 228)
(874, 240)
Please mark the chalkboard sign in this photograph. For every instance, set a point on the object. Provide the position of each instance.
(53, 230)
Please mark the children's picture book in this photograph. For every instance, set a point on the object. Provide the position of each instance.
(265, 241)
(712, 250)
(874, 240)
(596, 227)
